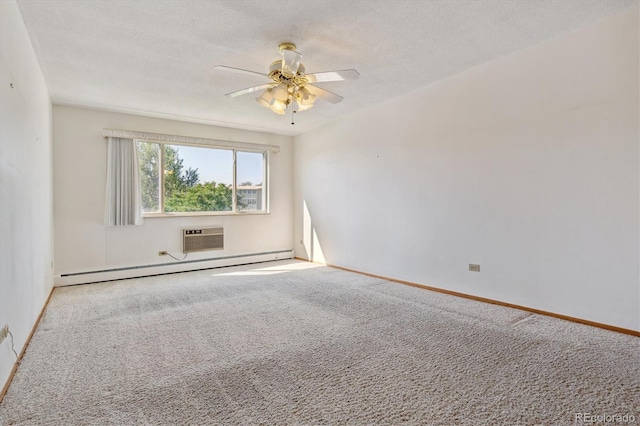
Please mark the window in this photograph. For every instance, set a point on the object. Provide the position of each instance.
(185, 178)
(249, 193)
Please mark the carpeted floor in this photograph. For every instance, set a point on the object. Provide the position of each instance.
(292, 343)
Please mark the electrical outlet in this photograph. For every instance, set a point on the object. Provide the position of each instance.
(162, 253)
(4, 332)
(474, 268)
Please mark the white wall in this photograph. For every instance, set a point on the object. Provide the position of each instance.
(83, 243)
(26, 242)
(527, 165)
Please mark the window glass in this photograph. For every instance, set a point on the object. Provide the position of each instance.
(149, 162)
(250, 177)
(197, 179)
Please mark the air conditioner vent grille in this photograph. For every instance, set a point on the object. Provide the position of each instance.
(202, 239)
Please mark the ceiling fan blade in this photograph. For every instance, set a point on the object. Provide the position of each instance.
(324, 94)
(290, 62)
(241, 71)
(250, 90)
(319, 77)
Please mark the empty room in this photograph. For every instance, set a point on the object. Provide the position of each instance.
(319, 212)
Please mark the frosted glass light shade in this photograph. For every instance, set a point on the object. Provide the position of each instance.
(280, 92)
(278, 107)
(265, 99)
(306, 97)
(303, 107)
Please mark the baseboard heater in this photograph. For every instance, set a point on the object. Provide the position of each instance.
(156, 265)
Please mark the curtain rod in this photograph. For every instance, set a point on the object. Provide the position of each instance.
(160, 137)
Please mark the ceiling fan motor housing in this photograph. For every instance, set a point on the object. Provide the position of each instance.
(294, 83)
(286, 46)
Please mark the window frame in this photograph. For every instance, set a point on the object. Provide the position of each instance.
(234, 199)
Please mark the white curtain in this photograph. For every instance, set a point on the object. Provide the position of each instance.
(124, 203)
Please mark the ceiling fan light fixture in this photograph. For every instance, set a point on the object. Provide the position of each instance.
(304, 107)
(280, 92)
(306, 97)
(266, 99)
(278, 107)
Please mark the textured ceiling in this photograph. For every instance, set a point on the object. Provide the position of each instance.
(156, 57)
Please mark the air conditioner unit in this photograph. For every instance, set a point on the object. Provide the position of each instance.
(202, 239)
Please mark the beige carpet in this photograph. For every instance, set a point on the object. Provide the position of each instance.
(291, 343)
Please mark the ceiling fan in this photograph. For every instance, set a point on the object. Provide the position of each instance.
(289, 85)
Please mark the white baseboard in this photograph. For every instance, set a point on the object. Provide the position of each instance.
(167, 268)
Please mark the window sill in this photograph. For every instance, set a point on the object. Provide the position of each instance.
(197, 214)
